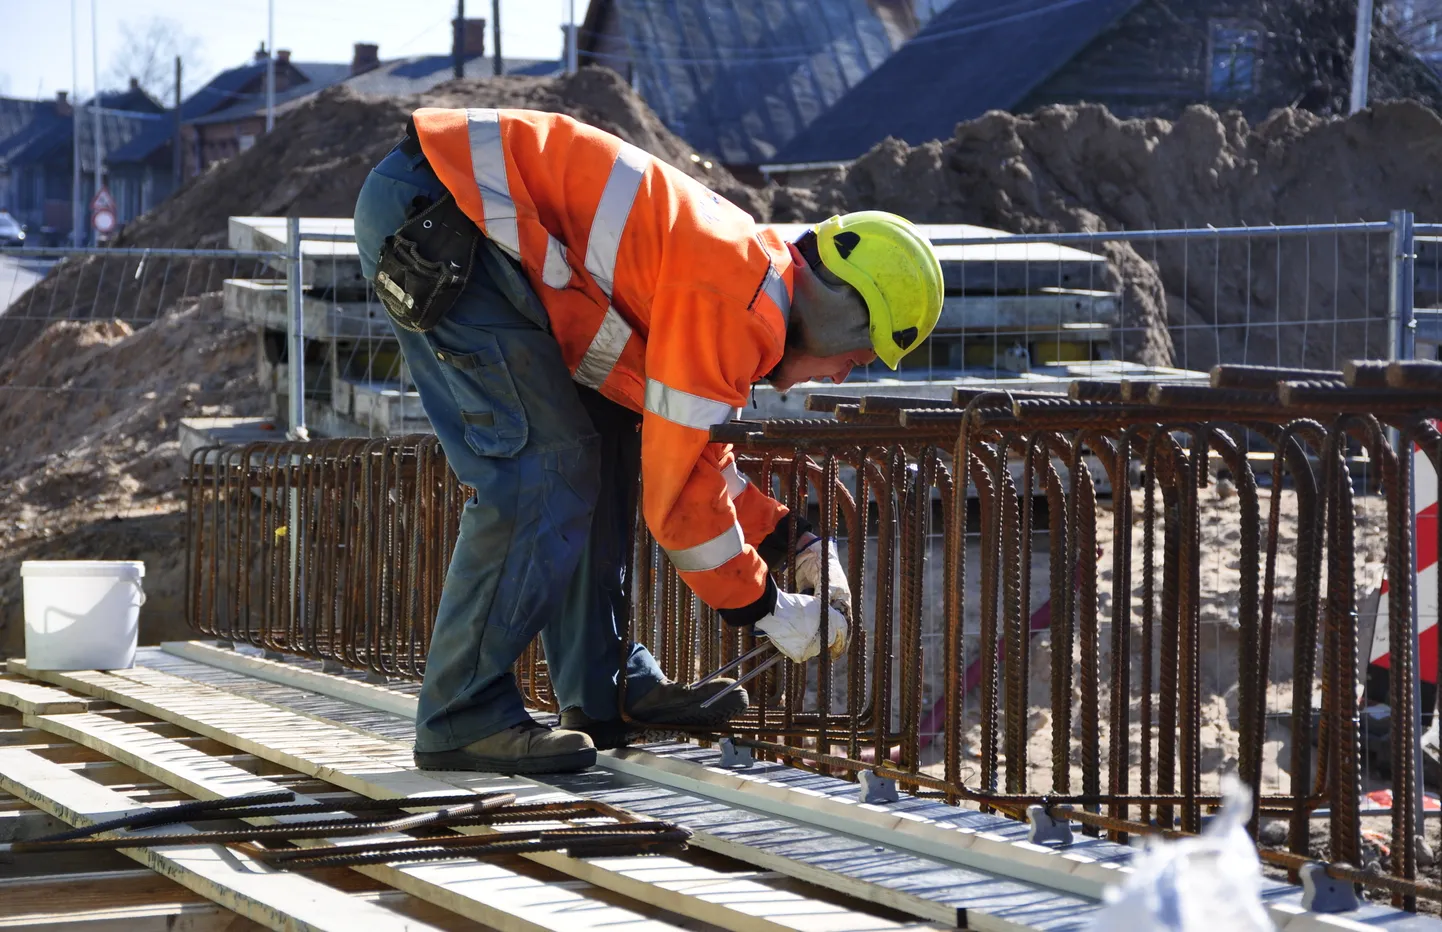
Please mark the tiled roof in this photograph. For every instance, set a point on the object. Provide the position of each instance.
(321, 75)
(54, 140)
(421, 73)
(741, 78)
(975, 56)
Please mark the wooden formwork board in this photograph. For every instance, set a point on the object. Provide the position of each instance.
(929, 888)
(1057, 869)
(1049, 867)
(382, 769)
(134, 899)
(486, 892)
(275, 899)
(27, 698)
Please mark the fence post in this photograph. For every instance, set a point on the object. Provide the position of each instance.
(1401, 330)
(295, 377)
(295, 330)
(1402, 344)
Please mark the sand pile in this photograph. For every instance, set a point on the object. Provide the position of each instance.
(1079, 169)
(90, 463)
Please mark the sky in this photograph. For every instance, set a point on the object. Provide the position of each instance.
(35, 37)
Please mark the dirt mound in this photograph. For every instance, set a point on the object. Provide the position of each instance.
(313, 165)
(1080, 169)
(315, 161)
(90, 462)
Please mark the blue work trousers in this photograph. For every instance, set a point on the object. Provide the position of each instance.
(543, 542)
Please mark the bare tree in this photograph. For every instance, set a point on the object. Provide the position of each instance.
(147, 53)
(1309, 45)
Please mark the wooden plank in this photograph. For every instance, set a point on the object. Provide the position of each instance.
(119, 900)
(382, 699)
(485, 892)
(1073, 873)
(277, 900)
(1286, 915)
(138, 900)
(33, 699)
(288, 674)
(382, 769)
(1029, 863)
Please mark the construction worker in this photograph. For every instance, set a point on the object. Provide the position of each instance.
(574, 311)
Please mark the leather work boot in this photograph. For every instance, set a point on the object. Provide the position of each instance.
(605, 734)
(529, 747)
(666, 704)
(678, 704)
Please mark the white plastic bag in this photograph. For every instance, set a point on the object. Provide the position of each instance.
(1201, 884)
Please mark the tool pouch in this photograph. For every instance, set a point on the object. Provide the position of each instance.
(424, 266)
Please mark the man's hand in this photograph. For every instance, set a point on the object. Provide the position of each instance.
(808, 574)
(794, 626)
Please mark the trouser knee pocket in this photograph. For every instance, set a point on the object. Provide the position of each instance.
(485, 395)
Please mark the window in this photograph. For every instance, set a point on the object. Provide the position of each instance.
(1235, 48)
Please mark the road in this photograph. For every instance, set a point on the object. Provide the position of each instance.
(16, 275)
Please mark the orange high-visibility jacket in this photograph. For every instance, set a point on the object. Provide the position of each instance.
(663, 296)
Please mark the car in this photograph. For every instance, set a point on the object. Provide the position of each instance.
(11, 232)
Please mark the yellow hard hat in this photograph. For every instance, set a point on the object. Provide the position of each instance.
(887, 260)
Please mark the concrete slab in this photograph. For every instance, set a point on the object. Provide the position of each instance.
(199, 432)
(327, 265)
(1047, 311)
(993, 269)
(264, 303)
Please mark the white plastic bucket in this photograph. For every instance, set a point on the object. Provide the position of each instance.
(82, 614)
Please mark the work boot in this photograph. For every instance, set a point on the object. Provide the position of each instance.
(529, 747)
(666, 704)
(605, 734)
(678, 704)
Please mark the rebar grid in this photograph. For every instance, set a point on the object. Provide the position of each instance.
(377, 519)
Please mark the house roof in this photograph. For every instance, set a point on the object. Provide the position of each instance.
(319, 75)
(223, 99)
(54, 139)
(975, 56)
(740, 78)
(22, 120)
(135, 100)
(423, 72)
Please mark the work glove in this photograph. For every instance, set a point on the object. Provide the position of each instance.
(794, 626)
(808, 575)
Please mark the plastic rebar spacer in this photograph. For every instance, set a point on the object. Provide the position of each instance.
(735, 755)
(1323, 893)
(1043, 827)
(877, 789)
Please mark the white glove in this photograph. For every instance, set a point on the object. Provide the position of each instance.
(808, 575)
(794, 626)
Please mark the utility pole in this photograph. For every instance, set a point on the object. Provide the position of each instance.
(176, 165)
(95, 105)
(1361, 55)
(75, 210)
(572, 54)
(270, 69)
(458, 40)
(496, 15)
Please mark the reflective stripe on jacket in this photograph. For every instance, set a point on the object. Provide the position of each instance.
(663, 296)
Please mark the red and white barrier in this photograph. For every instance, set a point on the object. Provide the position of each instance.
(1425, 536)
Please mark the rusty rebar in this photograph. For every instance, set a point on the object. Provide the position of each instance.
(934, 687)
